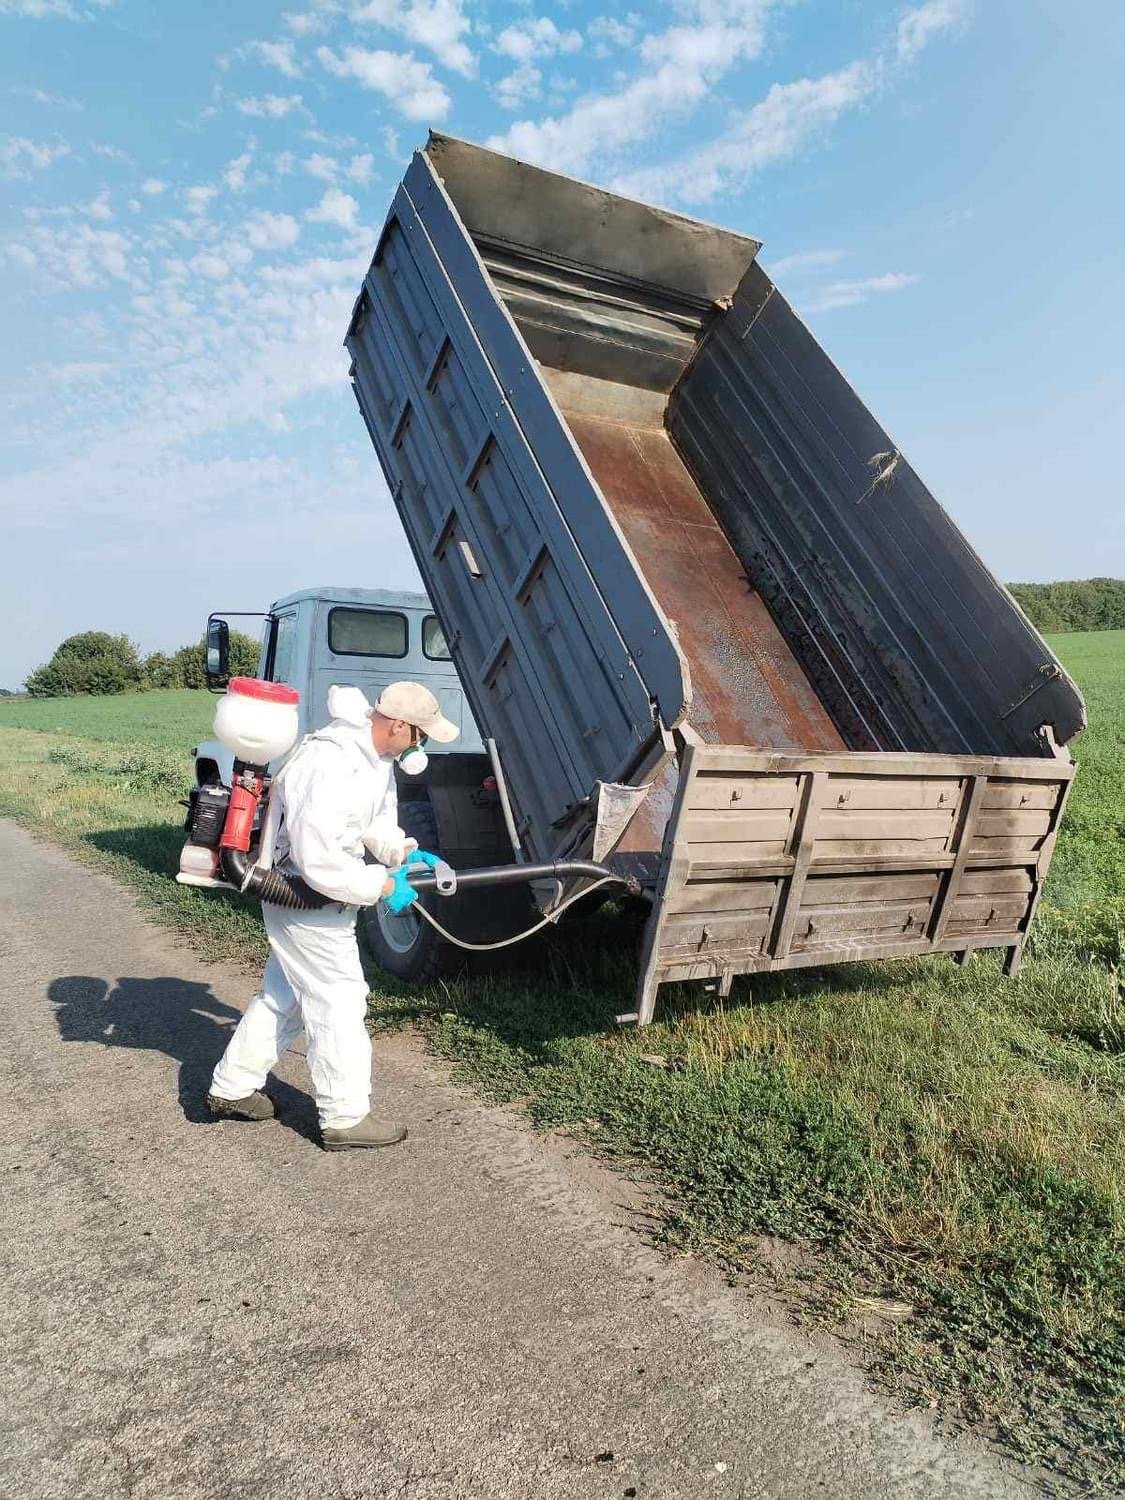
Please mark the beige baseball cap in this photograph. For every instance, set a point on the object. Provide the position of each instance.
(417, 705)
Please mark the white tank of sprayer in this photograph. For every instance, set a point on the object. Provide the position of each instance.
(255, 720)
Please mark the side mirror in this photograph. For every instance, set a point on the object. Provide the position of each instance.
(218, 653)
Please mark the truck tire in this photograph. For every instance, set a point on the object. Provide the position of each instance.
(409, 948)
(406, 945)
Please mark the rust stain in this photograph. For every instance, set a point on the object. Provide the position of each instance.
(748, 688)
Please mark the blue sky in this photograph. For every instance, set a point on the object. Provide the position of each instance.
(191, 194)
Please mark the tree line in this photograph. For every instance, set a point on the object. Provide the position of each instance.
(1081, 604)
(96, 662)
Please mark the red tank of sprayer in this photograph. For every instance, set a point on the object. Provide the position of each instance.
(245, 795)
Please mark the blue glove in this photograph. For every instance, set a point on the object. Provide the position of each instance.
(422, 856)
(403, 893)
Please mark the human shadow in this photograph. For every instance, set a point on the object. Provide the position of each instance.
(180, 1017)
(154, 847)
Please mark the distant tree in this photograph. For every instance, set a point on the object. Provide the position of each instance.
(160, 671)
(189, 665)
(91, 662)
(245, 652)
(1086, 604)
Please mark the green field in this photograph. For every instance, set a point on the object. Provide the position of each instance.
(178, 717)
(944, 1148)
(1090, 862)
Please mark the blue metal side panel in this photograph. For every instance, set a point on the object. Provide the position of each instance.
(538, 431)
(539, 654)
(910, 641)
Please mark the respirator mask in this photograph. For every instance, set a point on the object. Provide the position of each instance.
(414, 760)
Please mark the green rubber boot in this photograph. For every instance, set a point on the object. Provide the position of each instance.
(256, 1106)
(369, 1133)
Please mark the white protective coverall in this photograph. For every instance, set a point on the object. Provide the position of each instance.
(334, 798)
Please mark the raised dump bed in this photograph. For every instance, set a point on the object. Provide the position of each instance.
(673, 552)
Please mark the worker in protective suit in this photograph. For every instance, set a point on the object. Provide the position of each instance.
(334, 798)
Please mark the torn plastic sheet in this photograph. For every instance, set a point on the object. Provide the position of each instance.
(616, 805)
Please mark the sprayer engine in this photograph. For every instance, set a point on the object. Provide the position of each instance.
(256, 721)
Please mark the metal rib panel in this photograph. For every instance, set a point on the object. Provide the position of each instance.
(909, 638)
(538, 652)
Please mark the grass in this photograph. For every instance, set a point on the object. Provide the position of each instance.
(178, 718)
(117, 804)
(1089, 864)
(946, 1149)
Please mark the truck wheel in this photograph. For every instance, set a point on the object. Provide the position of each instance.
(406, 945)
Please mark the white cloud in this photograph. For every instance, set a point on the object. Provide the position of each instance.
(153, 186)
(210, 265)
(614, 31)
(192, 354)
(98, 208)
(775, 129)
(19, 157)
(40, 10)
(302, 23)
(80, 370)
(680, 66)
(538, 37)
(75, 255)
(197, 198)
(305, 23)
(327, 168)
(56, 101)
(335, 208)
(235, 174)
(266, 231)
(360, 168)
(919, 26)
(519, 87)
(437, 25)
(848, 293)
(398, 76)
(111, 153)
(23, 255)
(327, 138)
(279, 55)
(523, 42)
(284, 163)
(269, 106)
(804, 261)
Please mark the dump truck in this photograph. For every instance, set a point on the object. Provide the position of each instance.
(717, 632)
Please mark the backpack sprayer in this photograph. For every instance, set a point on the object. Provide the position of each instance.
(257, 722)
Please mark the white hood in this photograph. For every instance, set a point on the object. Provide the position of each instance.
(347, 705)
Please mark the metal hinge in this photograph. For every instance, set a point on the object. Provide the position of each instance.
(1049, 671)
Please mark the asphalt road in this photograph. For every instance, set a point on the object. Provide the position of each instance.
(193, 1308)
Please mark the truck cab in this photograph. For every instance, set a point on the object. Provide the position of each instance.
(365, 638)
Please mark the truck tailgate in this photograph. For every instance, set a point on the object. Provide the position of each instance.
(780, 861)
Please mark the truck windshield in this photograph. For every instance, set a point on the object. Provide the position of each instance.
(366, 632)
